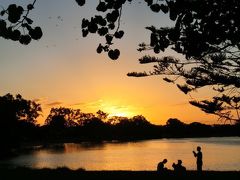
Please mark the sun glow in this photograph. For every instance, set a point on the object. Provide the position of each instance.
(112, 108)
(115, 110)
(118, 113)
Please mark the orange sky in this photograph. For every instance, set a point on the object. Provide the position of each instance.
(63, 69)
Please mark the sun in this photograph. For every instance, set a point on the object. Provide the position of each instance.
(119, 114)
(114, 109)
(118, 111)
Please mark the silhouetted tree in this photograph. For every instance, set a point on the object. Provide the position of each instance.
(174, 123)
(17, 26)
(199, 129)
(16, 109)
(58, 122)
(140, 120)
(102, 115)
(94, 122)
(85, 117)
(115, 120)
(17, 118)
(175, 127)
(64, 117)
(205, 32)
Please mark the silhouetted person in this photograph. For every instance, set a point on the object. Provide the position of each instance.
(198, 155)
(178, 168)
(160, 166)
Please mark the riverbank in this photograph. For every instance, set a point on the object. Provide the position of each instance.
(81, 174)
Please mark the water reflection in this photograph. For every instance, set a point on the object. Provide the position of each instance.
(52, 148)
(218, 154)
(68, 147)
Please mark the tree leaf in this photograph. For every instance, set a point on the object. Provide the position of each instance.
(80, 2)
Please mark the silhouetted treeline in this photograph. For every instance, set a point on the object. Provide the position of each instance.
(19, 125)
(134, 128)
(123, 128)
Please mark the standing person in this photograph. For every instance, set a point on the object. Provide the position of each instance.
(198, 155)
(160, 166)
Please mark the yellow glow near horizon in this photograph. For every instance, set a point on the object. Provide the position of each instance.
(113, 111)
(112, 108)
(127, 105)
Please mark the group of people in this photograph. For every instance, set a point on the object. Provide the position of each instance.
(178, 168)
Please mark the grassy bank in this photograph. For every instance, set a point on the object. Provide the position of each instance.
(67, 174)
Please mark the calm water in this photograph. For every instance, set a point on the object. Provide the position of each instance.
(219, 153)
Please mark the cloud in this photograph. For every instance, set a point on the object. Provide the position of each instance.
(37, 100)
(113, 108)
(93, 104)
(120, 107)
(100, 104)
(181, 104)
(40, 100)
(56, 103)
(44, 101)
(78, 104)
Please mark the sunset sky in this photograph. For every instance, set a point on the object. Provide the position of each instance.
(63, 69)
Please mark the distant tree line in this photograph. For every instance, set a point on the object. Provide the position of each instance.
(18, 125)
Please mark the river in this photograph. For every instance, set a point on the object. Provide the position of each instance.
(219, 153)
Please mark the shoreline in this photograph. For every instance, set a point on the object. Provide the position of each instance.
(68, 174)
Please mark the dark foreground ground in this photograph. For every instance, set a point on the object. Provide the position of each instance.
(67, 174)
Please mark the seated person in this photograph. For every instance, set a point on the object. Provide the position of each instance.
(160, 166)
(179, 168)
